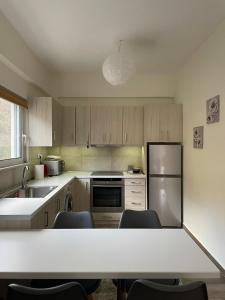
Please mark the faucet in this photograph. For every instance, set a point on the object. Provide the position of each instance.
(24, 181)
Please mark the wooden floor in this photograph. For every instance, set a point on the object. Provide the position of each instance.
(107, 291)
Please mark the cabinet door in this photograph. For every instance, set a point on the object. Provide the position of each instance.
(106, 125)
(171, 123)
(133, 123)
(163, 122)
(83, 125)
(68, 125)
(99, 124)
(56, 123)
(40, 121)
(152, 123)
(81, 194)
(115, 115)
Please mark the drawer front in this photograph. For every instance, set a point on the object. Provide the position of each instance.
(135, 204)
(135, 181)
(134, 192)
(106, 216)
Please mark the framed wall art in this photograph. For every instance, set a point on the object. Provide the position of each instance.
(198, 137)
(213, 110)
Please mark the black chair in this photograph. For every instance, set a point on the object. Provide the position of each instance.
(139, 219)
(71, 220)
(68, 291)
(145, 290)
(142, 219)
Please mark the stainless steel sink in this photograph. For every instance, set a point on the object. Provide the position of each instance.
(33, 192)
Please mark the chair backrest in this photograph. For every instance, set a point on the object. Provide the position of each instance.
(139, 219)
(68, 291)
(72, 220)
(145, 290)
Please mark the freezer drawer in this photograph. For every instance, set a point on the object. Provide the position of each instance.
(165, 199)
(164, 159)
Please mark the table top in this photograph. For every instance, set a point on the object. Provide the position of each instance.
(102, 253)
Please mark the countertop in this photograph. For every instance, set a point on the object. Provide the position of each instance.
(103, 253)
(26, 208)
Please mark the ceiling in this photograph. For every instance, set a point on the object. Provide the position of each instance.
(77, 35)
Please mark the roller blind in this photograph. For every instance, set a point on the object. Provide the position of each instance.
(12, 97)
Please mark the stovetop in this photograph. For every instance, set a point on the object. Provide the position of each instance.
(107, 173)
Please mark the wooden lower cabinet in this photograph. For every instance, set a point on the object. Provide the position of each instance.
(135, 194)
(81, 194)
(106, 220)
(45, 217)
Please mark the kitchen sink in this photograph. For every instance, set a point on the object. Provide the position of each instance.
(33, 192)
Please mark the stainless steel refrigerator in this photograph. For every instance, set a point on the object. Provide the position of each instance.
(165, 182)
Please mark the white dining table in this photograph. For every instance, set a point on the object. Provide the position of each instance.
(102, 253)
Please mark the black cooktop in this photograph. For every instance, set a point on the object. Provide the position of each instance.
(107, 173)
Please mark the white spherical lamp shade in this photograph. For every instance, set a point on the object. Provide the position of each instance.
(118, 69)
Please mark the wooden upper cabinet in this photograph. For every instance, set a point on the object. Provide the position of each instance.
(83, 125)
(68, 125)
(133, 123)
(56, 123)
(45, 121)
(106, 125)
(163, 122)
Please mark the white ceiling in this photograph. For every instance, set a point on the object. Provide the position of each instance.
(77, 35)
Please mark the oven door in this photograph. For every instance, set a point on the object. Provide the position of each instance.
(107, 198)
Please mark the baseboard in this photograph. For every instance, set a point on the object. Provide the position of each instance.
(206, 252)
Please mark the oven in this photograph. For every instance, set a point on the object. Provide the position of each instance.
(107, 194)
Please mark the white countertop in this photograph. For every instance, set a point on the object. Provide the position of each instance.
(102, 253)
(25, 208)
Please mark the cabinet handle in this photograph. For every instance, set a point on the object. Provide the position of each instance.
(125, 137)
(136, 192)
(54, 135)
(88, 140)
(135, 203)
(110, 138)
(135, 182)
(46, 216)
(86, 186)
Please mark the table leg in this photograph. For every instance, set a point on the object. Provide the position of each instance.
(121, 289)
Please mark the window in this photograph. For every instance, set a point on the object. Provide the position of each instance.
(11, 129)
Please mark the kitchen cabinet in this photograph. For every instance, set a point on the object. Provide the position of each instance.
(83, 125)
(106, 220)
(45, 217)
(81, 194)
(45, 121)
(68, 125)
(106, 125)
(133, 125)
(163, 122)
(135, 194)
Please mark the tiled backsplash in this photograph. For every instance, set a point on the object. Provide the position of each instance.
(79, 159)
(93, 158)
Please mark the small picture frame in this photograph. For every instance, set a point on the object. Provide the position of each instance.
(198, 137)
(213, 110)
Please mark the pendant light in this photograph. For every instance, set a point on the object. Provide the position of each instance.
(118, 68)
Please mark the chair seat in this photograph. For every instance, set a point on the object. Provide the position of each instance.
(89, 285)
(128, 282)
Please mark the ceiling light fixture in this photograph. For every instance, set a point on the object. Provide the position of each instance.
(118, 68)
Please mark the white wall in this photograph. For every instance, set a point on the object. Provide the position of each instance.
(204, 170)
(94, 85)
(15, 54)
